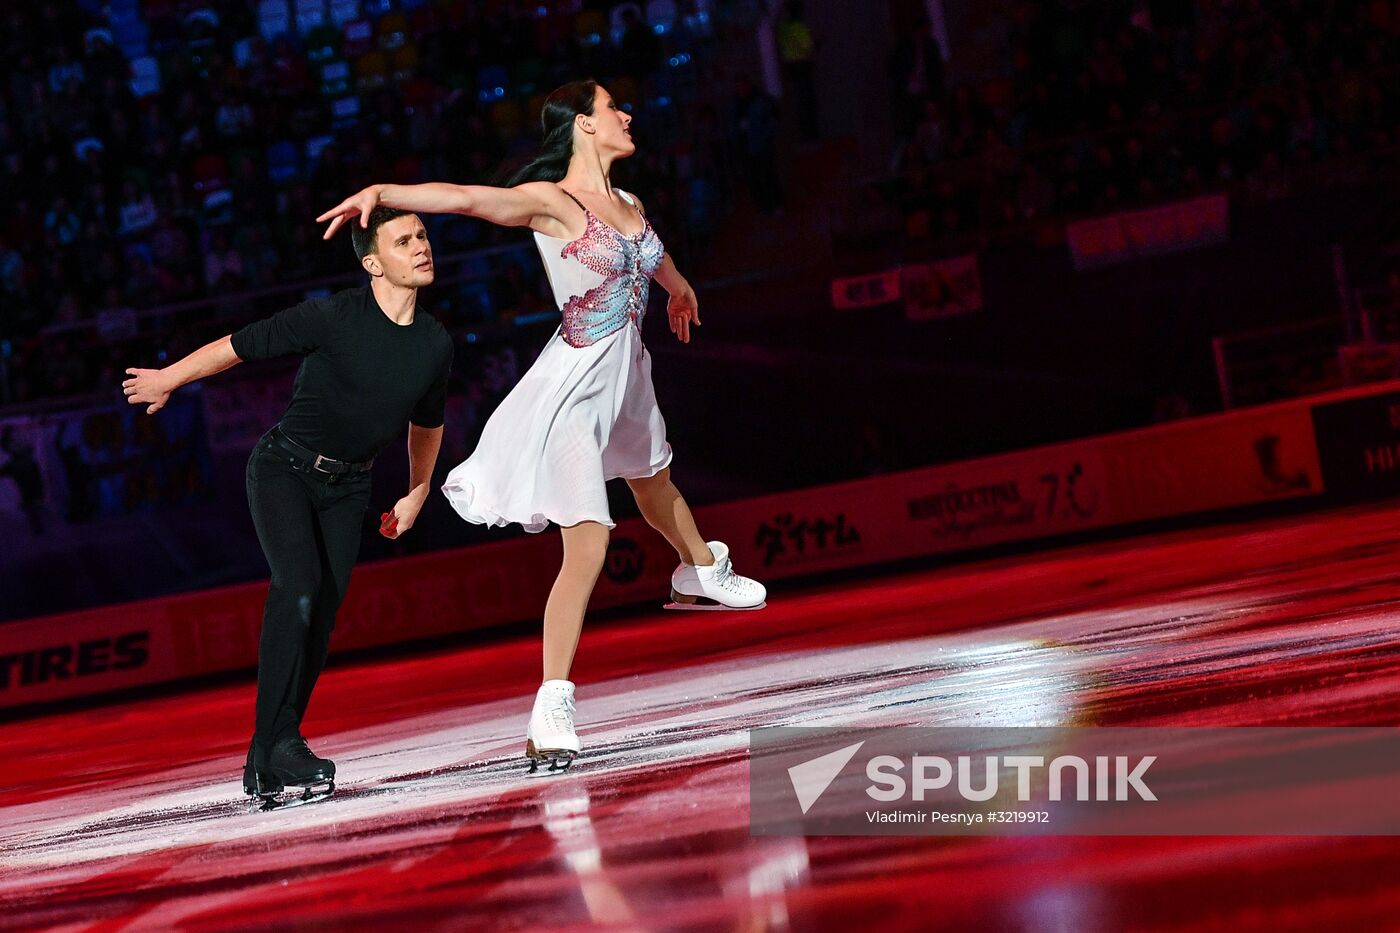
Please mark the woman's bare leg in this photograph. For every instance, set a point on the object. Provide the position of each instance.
(665, 510)
(585, 549)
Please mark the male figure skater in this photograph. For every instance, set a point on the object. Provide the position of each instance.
(372, 361)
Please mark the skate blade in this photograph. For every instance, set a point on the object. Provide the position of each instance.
(267, 783)
(705, 604)
(312, 793)
(559, 758)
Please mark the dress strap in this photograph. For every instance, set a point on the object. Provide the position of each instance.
(576, 201)
(628, 198)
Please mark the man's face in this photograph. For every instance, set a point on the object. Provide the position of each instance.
(402, 254)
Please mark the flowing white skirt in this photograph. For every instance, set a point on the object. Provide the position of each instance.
(579, 417)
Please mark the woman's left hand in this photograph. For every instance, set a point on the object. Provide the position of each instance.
(683, 310)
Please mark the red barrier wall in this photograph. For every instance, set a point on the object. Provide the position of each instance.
(1238, 458)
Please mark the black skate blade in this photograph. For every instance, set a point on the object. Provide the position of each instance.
(312, 793)
(559, 758)
(556, 765)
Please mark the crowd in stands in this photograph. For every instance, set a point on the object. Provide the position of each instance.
(166, 151)
(1114, 104)
(173, 151)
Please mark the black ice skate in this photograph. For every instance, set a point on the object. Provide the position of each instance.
(290, 763)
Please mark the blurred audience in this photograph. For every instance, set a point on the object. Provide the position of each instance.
(162, 151)
(1109, 105)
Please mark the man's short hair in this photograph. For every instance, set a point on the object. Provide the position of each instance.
(365, 238)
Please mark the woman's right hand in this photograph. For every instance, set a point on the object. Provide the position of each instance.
(361, 203)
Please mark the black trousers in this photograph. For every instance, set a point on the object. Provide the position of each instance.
(309, 525)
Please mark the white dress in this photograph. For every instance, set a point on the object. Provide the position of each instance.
(585, 412)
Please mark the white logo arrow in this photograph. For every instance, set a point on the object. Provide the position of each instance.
(811, 778)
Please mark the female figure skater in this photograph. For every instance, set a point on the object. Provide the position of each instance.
(585, 412)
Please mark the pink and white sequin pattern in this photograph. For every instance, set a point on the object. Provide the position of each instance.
(626, 263)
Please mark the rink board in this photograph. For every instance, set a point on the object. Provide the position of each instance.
(1332, 448)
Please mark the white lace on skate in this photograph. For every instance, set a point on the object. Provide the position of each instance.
(726, 579)
(559, 716)
(551, 725)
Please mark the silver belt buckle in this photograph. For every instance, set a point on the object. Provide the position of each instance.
(317, 464)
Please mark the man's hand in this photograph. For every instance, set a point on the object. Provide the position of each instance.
(360, 204)
(681, 311)
(147, 387)
(401, 517)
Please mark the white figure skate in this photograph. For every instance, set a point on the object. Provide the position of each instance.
(550, 735)
(716, 586)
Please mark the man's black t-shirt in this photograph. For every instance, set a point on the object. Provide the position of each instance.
(363, 375)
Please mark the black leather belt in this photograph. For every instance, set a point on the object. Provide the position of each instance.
(310, 460)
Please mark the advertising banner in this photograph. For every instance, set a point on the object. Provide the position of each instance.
(1123, 237)
(941, 289)
(865, 291)
(931, 290)
(151, 641)
(1358, 442)
(1246, 457)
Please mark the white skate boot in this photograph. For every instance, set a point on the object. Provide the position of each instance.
(550, 735)
(716, 586)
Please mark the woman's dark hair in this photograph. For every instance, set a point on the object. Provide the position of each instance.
(557, 119)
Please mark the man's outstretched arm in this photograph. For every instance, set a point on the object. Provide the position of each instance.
(152, 387)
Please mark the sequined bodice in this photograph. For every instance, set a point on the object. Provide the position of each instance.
(601, 280)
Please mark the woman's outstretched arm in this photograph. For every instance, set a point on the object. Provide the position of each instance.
(509, 207)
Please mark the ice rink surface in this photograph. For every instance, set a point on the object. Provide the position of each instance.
(130, 816)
